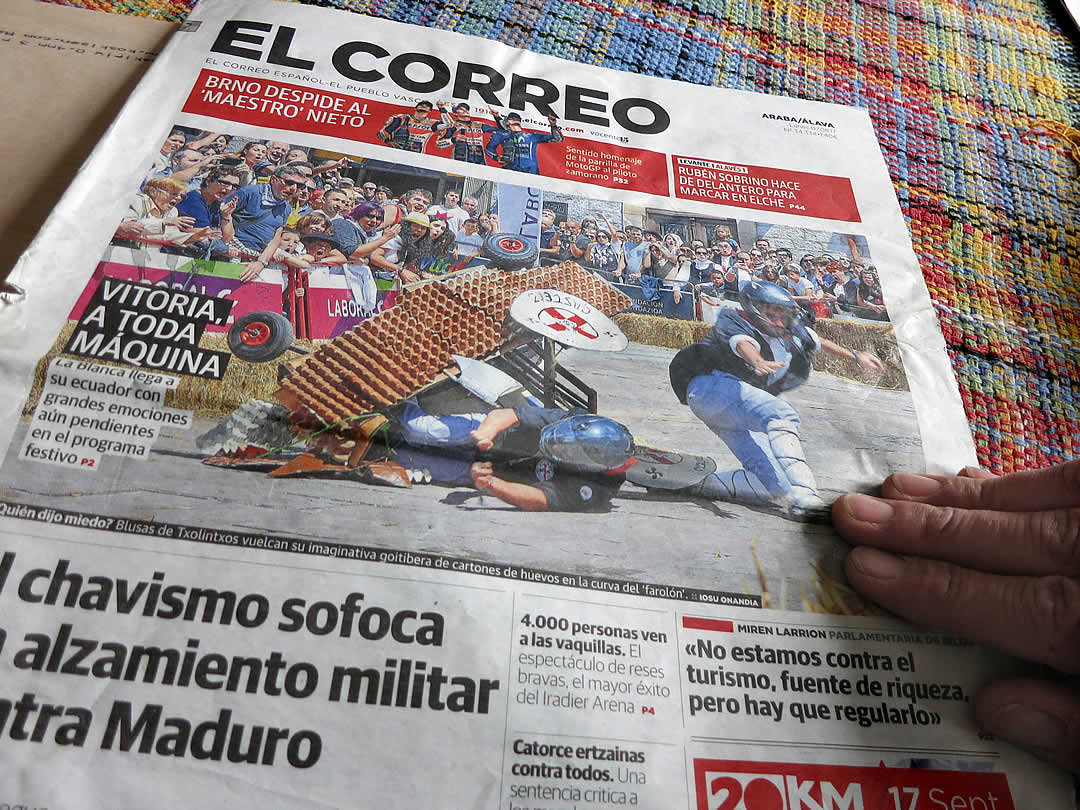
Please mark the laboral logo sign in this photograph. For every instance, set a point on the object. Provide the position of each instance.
(739, 785)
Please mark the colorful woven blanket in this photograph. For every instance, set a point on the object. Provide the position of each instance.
(954, 88)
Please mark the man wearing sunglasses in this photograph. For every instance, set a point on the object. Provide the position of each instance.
(262, 208)
(702, 266)
(206, 208)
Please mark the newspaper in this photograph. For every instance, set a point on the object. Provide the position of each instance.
(395, 502)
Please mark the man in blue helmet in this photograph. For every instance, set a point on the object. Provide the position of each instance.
(537, 459)
(732, 381)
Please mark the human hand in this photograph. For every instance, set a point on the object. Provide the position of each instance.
(408, 276)
(183, 223)
(869, 361)
(130, 229)
(676, 296)
(994, 559)
(763, 367)
(227, 208)
(252, 271)
(483, 475)
(485, 439)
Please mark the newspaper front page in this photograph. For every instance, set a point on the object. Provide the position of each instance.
(396, 418)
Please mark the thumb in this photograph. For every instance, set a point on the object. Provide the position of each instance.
(1041, 716)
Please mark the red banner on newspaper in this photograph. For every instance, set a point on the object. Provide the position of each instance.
(739, 785)
(604, 164)
(260, 102)
(764, 189)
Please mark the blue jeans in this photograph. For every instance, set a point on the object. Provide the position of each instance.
(740, 414)
(421, 430)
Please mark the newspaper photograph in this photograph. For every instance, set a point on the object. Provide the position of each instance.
(484, 333)
(351, 333)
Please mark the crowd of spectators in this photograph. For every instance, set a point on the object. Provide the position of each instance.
(826, 283)
(265, 203)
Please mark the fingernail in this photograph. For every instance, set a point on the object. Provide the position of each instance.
(916, 486)
(876, 564)
(868, 509)
(1027, 727)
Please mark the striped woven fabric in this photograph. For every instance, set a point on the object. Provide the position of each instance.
(953, 87)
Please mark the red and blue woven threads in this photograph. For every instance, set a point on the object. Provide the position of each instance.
(952, 86)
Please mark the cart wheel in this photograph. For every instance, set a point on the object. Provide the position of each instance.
(509, 251)
(260, 337)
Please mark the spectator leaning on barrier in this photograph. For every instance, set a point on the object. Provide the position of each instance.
(633, 253)
(469, 242)
(154, 208)
(263, 208)
(334, 202)
(549, 246)
(207, 211)
(702, 266)
(604, 256)
(801, 289)
(715, 290)
(400, 254)
(869, 293)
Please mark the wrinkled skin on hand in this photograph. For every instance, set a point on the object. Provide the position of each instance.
(994, 559)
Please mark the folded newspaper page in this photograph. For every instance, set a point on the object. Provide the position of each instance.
(396, 419)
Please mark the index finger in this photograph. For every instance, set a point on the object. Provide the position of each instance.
(1029, 491)
(1034, 543)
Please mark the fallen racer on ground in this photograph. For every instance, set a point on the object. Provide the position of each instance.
(533, 458)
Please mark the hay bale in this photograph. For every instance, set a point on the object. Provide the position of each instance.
(879, 339)
(653, 330)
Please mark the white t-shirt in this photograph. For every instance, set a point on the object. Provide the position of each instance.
(455, 216)
(468, 245)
